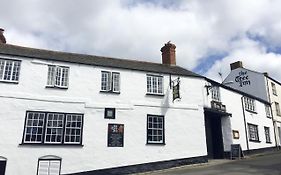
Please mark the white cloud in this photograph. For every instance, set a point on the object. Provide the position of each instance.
(137, 29)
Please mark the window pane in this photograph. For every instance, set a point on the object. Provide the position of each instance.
(49, 167)
(33, 128)
(73, 128)
(54, 128)
(116, 82)
(155, 129)
(51, 76)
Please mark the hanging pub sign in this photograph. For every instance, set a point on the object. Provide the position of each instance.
(176, 89)
(115, 136)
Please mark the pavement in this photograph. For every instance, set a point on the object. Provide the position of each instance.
(268, 163)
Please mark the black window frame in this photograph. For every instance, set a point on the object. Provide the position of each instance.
(267, 135)
(163, 130)
(44, 130)
(256, 132)
(106, 110)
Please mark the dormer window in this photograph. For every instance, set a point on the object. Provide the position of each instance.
(110, 82)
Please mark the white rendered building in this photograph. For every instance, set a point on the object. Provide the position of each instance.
(234, 117)
(260, 85)
(65, 113)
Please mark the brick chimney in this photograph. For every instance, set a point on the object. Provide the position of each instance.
(2, 37)
(169, 54)
(235, 65)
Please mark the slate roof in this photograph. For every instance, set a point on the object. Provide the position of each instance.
(14, 50)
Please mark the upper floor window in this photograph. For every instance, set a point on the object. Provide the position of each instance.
(250, 104)
(155, 129)
(215, 93)
(267, 111)
(53, 128)
(277, 107)
(273, 88)
(154, 84)
(9, 70)
(110, 81)
(253, 132)
(57, 76)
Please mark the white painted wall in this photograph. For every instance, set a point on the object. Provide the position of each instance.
(250, 81)
(232, 100)
(184, 119)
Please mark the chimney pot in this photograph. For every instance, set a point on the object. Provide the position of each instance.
(235, 65)
(169, 54)
(2, 37)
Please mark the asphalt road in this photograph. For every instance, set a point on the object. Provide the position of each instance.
(269, 164)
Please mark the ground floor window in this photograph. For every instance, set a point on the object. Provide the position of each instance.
(267, 134)
(49, 165)
(253, 132)
(155, 129)
(53, 128)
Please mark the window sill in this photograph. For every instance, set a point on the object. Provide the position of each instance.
(51, 144)
(150, 94)
(253, 112)
(109, 92)
(160, 144)
(257, 141)
(56, 87)
(9, 82)
(269, 142)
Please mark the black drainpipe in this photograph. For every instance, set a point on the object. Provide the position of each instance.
(247, 142)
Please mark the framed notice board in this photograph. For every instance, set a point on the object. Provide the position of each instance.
(115, 136)
(236, 151)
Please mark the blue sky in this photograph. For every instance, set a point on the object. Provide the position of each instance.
(209, 35)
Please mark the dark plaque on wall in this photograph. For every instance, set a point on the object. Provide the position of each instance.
(236, 151)
(115, 137)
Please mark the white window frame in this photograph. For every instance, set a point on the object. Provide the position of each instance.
(58, 76)
(274, 91)
(250, 104)
(267, 134)
(155, 84)
(110, 81)
(9, 70)
(215, 91)
(55, 128)
(267, 111)
(277, 108)
(155, 129)
(253, 132)
(49, 165)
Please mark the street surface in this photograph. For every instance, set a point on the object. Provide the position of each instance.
(269, 164)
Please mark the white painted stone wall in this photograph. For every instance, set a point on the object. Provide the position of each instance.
(275, 98)
(232, 100)
(184, 119)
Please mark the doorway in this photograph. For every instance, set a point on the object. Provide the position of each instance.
(214, 138)
(2, 167)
